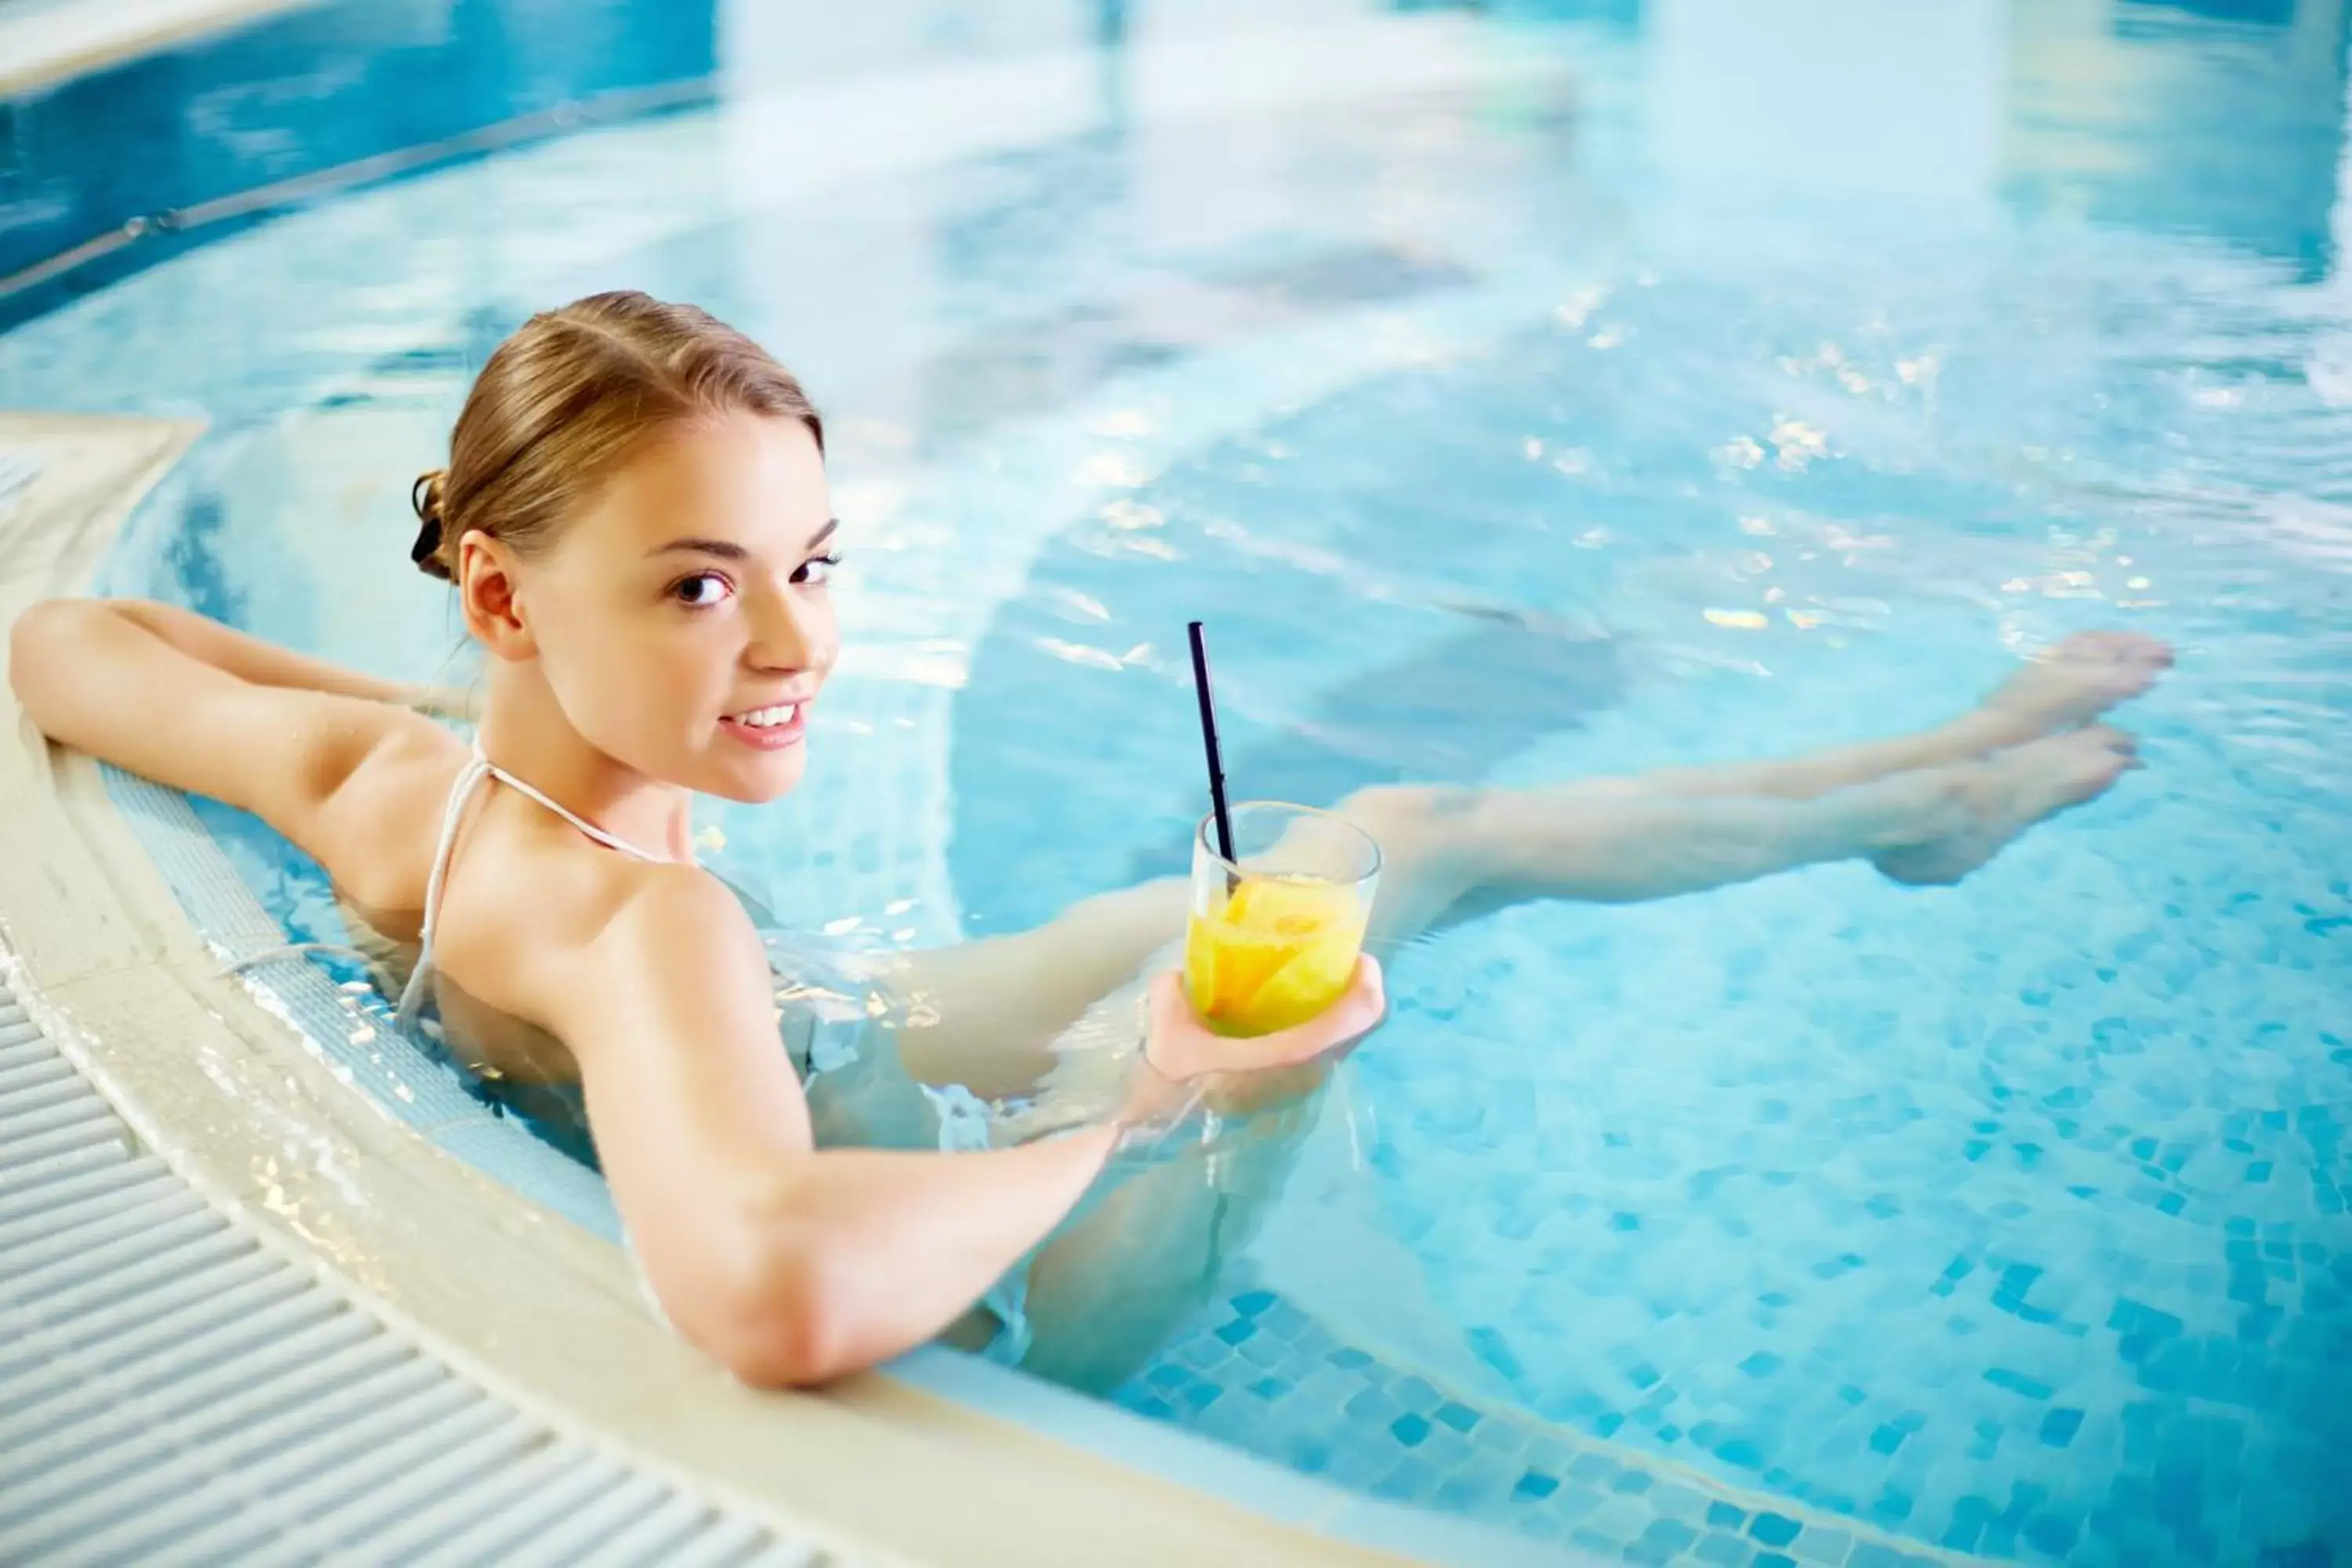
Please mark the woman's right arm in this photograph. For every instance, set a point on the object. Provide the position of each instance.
(787, 1265)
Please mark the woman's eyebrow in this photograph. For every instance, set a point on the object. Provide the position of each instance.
(727, 550)
(723, 549)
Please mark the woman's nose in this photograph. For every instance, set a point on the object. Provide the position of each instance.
(786, 634)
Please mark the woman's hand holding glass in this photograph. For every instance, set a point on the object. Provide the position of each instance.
(1186, 1065)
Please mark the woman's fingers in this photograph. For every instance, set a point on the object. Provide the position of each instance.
(1343, 1023)
(1175, 1040)
(1181, 1046)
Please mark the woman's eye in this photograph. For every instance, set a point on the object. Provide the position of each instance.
(817, 570)
(702, 588)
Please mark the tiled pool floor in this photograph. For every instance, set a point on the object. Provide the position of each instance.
(1259, 1372)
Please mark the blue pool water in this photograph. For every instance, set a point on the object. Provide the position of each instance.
(1528, 397)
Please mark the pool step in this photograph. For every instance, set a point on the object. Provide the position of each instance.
(173, 1392)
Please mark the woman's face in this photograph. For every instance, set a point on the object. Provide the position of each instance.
(683, 622)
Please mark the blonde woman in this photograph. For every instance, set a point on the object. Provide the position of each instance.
(635, 520)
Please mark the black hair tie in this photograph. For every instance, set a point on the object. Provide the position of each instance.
(427, 508)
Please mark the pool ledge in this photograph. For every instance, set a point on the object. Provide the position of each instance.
(529, 1308)
(43, 45)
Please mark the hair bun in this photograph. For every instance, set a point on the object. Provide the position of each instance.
(425, 497)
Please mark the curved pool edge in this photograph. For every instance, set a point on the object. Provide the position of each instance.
(251, 1120)
(181, 1364)
(55, 44)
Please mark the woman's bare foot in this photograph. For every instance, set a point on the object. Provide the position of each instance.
(2072, 683)
(2011, 791)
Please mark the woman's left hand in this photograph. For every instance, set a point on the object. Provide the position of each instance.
(1186, 1063)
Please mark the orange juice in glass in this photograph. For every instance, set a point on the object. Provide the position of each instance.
(1276, 930)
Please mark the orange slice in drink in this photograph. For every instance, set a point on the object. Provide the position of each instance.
(1278, 953)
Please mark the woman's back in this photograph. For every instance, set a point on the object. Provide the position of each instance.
(520, 892)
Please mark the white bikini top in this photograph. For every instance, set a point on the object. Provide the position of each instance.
(461, 792)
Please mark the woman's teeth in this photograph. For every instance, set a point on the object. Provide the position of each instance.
(767, 718)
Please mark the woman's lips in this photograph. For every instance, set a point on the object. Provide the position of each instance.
(770, 737)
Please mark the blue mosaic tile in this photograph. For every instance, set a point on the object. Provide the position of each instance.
(1669, 1500)
(2018, 1383)
(1723, 1551)
(2052, 1534)
(1439, 1449)
(1460, 1417)
(1409, 1478)
(2059, 1426)
(1824, 1545)
(1970, 1515)
(1596, 1470)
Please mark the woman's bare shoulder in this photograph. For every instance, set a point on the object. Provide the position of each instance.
(575, 938)
(376, 833)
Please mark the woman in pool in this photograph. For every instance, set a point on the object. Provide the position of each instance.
(634, 518)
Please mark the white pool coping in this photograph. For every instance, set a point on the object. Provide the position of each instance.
(48, 41)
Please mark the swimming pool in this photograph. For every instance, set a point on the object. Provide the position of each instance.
(1623, 385)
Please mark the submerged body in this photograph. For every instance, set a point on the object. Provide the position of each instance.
(636, 523)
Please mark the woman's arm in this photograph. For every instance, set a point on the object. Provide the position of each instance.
(789, 1265)
(177, 699)
(249, 658)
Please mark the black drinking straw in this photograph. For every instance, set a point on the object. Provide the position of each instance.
(1209, 740)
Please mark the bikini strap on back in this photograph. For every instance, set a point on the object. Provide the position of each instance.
(461, 790)
(469, 779)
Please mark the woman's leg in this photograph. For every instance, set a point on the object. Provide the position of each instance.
(1108, 1288)
(1114, 1283)
(2064, 688)
(986, 1013)
(1467, 852)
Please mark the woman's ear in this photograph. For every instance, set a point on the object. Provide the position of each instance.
(488, 590)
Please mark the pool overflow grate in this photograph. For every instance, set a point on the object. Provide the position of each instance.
(171, 1392)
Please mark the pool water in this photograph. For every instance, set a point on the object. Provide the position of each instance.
(1528, 397)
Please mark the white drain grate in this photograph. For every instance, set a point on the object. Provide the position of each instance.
(171, 1392)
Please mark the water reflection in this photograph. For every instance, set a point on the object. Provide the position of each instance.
(2222, 118)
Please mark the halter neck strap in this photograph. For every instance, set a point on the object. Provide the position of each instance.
(575, 818)
(461, 790)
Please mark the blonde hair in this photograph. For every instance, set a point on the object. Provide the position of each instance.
(562, 401)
